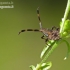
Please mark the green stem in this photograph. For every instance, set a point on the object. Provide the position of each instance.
(54, 45)
(65, 16)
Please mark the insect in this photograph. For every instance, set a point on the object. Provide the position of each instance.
(50, 34)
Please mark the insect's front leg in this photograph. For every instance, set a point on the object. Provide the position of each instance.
(53, 28)
(58, 29)
(42, 37)
(46, 39)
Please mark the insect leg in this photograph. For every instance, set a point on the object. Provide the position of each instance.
(53, 28)
(45, 39)
(58, 29)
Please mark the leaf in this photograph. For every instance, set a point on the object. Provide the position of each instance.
(32, 67)
(46, 66)
(68, 45)
(46, 49)
(66, 28)
(53, 46)
(66, 25)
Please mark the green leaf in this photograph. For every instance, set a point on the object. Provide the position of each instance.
(43, 66)
(53, 46)
(66, 25)
(46, 66)
(46, 49)
(68, 45)
(66, 28)
(32, 67)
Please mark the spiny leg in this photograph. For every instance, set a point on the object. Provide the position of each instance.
(36, 30)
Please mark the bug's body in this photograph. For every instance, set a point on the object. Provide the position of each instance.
(51, 34)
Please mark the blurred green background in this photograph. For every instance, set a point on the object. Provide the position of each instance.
(18, 52)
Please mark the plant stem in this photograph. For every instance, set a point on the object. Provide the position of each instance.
(54, 45)
(65, 16)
